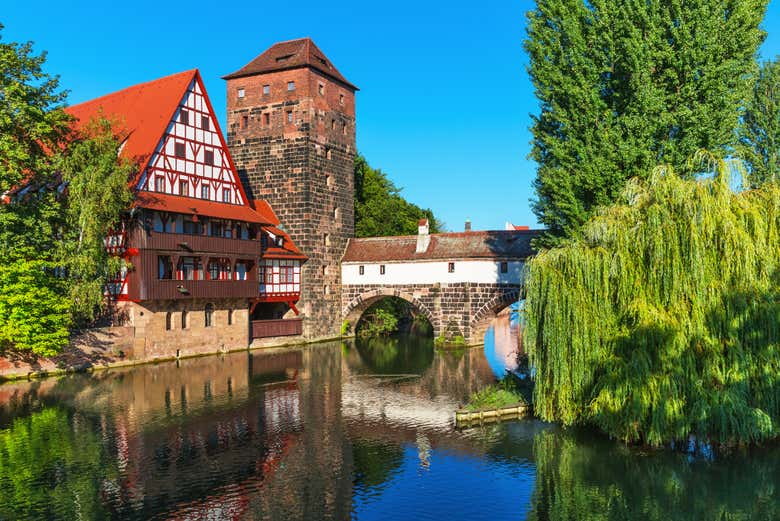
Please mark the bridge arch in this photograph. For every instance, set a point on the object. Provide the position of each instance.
(358, 305)
(491, 309)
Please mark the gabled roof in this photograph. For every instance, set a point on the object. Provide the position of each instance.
(499, 244)
(140, 114)
(292, 54)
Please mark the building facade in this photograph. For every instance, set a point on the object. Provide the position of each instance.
(291, 132)
(201, 257)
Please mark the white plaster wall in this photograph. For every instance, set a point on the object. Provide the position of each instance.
(429, 272)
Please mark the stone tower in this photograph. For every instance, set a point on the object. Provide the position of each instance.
(291, 132)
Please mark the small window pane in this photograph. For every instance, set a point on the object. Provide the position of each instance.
(180, 150)
(204, 123)
(184, 117)
(241, 93)
(290, 85)
(208, 157)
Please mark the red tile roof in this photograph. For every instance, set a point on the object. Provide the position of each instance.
(140, 113)
(193, 206)
(292, 54)
(498, 244)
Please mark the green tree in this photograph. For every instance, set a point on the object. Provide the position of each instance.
(759, 133)
(98, 194)
(380, 210)
(661, 320)
(625, 85)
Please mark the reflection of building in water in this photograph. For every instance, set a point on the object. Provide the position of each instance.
(502, 343)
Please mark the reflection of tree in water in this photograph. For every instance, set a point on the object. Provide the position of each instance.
(53, 466)
(580, 477)
(375, 462)
(396, 355)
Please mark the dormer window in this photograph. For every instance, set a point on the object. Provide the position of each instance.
(284, 58)
(280, 242)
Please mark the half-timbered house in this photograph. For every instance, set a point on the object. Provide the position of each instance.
(202, 258)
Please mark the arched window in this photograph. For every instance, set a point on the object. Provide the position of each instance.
(209, 315)
(168, 321)
(184, 319)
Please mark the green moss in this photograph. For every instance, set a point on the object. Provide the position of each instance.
(496, 396)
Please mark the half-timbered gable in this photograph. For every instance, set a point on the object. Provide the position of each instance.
(191, 159)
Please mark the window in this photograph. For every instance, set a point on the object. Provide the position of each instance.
(504, 267)
(226, 195)
(187, 268)
(289, 116)
(344, 129)
(329, 153)
(326, 240)
(328, 181)
(290, 85)
(205, 192)
(280, 241)
(321, 89)
(381, 269)
(333, 124)
(241, 93)
(217, 228)
(341, 99)
(267, 119)
(362, 270)
(451, 267)
(192, 227)
(208, 157)
(184, 117)
(179, 150)
(168, 321)
(184, 188)
(209, 315)
(241, 270)
(266, 90)
(159, 183)
(184, 319)
(213, 270)
(230, 319)
(164, 270)
(244, 121)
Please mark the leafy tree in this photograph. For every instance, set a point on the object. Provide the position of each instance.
(759, 133)
(98, 193)
(660, 322)
(380, 210)
(625, 85)
(62, 192)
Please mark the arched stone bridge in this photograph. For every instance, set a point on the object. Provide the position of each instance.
(458, 281)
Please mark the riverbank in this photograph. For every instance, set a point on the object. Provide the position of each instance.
(92, 352)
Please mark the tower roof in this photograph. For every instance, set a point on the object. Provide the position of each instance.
(292, 54)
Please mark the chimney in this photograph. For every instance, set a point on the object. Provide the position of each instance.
(468, 225)
(423, 239)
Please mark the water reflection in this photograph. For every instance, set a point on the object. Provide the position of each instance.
(335, 431)
(503, 342)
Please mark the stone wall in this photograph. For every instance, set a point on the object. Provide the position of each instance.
(462, 309)
(304, 169)
(160, 331)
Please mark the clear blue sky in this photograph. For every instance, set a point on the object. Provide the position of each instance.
(444, 102)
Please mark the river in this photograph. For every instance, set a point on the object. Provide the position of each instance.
(341, 430)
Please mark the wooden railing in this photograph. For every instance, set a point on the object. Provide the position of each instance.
(179, 289)
(184, 243)
(271, 328)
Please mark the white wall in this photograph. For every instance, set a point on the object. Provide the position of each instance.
(429, 272)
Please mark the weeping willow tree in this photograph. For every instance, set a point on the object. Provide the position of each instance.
(663, 320)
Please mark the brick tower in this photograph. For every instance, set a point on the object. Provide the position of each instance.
(291, 132)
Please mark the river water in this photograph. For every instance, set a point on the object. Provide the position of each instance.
(336, 431)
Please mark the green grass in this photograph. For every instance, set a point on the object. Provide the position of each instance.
(496, 396)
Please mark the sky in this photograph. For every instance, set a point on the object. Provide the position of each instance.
(444, 103)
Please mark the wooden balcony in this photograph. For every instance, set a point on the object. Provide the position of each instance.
(187, 244)
(272, 328)
(156, 289)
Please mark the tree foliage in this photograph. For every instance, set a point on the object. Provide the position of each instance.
(661, 321)
(625, 85)
(66, 190)
(380, 210)
(759, 133)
